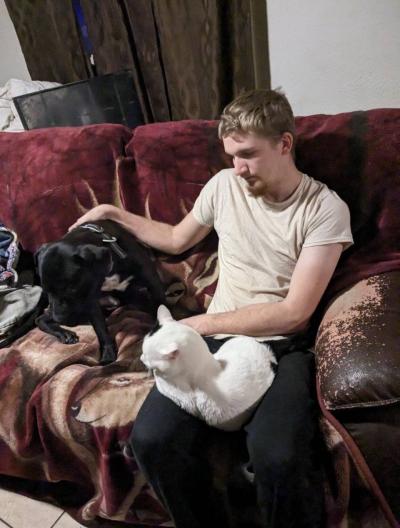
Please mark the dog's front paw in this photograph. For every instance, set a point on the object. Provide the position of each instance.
(108, 353)
(67, 337)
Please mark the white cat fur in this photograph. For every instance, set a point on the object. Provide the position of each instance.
(221, 389)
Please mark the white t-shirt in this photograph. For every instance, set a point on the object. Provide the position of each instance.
(260, 241)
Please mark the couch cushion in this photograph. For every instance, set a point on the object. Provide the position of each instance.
(358, 155)
(173, 161)
(167, 166)
(52, 176)
(358, 343)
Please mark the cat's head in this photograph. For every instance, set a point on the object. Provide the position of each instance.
(168, 345)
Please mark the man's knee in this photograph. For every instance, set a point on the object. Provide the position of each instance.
(165, 436)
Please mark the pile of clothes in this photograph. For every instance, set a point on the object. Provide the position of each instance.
(20, 298)
(9, 118)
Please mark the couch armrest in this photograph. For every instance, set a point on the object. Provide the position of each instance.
(358, 343)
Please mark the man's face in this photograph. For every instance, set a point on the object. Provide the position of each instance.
(256, 159)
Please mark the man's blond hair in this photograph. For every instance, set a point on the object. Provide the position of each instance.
(263, 112)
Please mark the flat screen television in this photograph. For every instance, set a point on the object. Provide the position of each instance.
(107, 98)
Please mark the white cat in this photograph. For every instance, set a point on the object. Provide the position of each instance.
(221, 389)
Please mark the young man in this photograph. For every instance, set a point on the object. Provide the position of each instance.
(281, 234)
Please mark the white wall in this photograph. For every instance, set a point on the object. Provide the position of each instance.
(333, 56)
(12, 62)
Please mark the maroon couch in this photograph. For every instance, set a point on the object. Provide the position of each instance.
(64, 419)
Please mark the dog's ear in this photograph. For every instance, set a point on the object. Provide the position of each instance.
(38, 255)
(92, 254)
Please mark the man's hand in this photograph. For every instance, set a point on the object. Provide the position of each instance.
(158, 235)
(100, 212)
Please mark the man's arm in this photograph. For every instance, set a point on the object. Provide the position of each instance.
(165, 237)
(310, 278)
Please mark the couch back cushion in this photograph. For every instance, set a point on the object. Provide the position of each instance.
(52, 176)
(167, 165)
(358, 155)
(172, 163)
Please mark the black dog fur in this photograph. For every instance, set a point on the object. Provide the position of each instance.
(73, 272)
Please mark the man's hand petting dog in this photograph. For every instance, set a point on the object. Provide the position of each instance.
(94, 265)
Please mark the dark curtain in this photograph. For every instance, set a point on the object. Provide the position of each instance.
(115, 48)
(189, 57)
(210, 51)
(49, 39)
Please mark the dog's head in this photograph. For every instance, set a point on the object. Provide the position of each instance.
(72, 277)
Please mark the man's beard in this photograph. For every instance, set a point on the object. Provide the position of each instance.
(258, 189)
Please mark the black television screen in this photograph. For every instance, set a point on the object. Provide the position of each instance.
(104, 99)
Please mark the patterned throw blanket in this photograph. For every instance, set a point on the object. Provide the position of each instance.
(65, 420)
(64, 423)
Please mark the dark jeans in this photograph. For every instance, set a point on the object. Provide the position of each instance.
(282, 443)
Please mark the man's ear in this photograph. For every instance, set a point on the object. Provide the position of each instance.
(287, 143)
(164, 315)
(170, 351)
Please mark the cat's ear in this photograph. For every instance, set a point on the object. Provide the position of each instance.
(170, 351)
(164, 315)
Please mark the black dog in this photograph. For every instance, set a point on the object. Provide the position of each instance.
(91, 264)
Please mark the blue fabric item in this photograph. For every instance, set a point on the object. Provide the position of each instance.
(5, 240)
(9, 253)
(80, 18)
